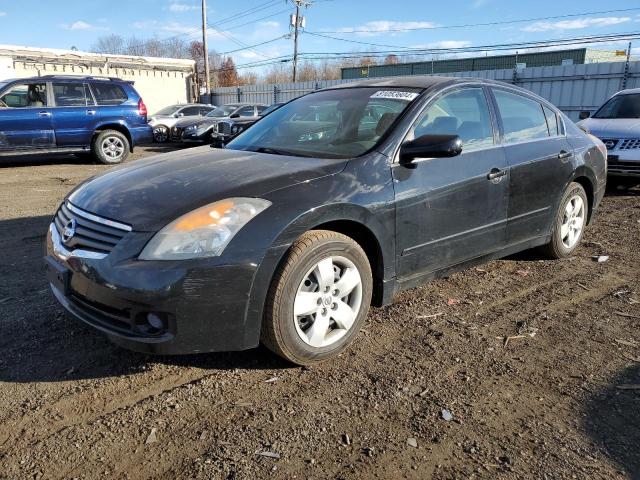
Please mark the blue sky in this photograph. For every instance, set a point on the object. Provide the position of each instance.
(62, 24)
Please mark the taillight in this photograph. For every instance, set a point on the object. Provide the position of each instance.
(142, 108)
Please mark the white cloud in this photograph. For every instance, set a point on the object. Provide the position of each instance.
(81, 25)
(3, 14)
(479, 3)
(174, 28)
(178, 7)
(576, 24)
(270, 24)
(379, 27)
(449, 44)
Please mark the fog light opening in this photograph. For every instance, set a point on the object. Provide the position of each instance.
(151, 323)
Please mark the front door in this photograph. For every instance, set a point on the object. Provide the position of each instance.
(25, 118)
(449, 210)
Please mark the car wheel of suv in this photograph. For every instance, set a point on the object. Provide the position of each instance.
(569, 223)
(161, 134)
(110, 147)
(318, 299)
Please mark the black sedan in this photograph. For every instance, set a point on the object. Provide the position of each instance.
(199, 131)
(227, 129)
(290, 233)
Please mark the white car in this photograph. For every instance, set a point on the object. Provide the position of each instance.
(166, 118)
(617, 124)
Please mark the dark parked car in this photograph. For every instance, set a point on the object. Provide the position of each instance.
(288, 234)
(199, 131)
(70, 114)
(165, 119)
(617, 124)
(226, 130)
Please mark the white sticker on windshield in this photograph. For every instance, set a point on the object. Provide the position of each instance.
(395, 94)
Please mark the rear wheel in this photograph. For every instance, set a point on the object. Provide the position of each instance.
(161, 134)
(569, 223)
(110, 147)
(318, 299)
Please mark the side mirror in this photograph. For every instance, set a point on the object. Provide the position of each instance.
(430, 146)
(235, 115)
(584, 115)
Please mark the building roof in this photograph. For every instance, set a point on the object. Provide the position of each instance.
(54, 54)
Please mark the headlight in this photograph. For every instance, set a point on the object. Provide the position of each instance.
(204, 232)
(190, 128)
(235, 129)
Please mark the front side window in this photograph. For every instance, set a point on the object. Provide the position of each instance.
(71, 95)
(25, 95)
(223, 111)
(168, 111)
(621, 106)
(464, 113)
(327, 124)
(109, 94)
(522, 118)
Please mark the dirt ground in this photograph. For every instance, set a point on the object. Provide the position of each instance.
(560, 400)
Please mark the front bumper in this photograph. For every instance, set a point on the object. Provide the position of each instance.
(623, 165)
(202, 306)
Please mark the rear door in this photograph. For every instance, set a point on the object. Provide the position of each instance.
(449, 210)
(25, 122)
(539, 159)
(75, 116)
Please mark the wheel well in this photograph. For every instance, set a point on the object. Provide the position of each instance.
(120, 128)
(369, 243)
(588, 188)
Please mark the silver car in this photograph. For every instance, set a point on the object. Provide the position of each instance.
(617, 124)
(169, 116)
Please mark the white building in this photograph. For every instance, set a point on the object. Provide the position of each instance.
(160, 81)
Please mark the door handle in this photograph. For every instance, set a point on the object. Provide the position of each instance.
(563, 155)
(91, 112)
(496, 173)
(44, 114)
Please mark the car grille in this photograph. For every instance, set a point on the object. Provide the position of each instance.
(176, 132)
(92, 233)
(615, 165)
(214, 128)
(610, 143)
(629, 144)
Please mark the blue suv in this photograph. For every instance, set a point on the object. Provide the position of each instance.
(104, 117)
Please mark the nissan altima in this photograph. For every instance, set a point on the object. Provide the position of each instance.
(334, 202)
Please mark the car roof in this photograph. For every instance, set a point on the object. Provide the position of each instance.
(243, 104)
(628, 91)
(408, 81)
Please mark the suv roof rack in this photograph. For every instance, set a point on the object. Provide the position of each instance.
(81, 77)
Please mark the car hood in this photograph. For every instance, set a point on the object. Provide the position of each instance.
(148, 194)
(612, 127)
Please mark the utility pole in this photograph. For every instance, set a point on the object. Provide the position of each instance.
(205, 49)
(297, 22)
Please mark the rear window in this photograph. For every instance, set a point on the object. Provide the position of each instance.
(109, 94)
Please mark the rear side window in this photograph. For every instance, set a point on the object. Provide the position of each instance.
(246, 112)
(72, 95)
(190, 111)
(205, 110)
(522, 118)
(109, 94)
(552, 121)
(261, 108)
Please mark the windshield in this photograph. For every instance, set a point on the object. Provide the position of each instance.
(621, 106)
(223, 111)
(169, 110)
(341, 123)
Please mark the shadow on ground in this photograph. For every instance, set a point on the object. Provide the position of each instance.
(39, 342)
(613, 421)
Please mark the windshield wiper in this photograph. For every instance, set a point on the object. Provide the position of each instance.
(277, 151)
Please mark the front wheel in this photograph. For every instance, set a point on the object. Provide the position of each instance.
(318, 299)
(160, 134)
(569, 222)
(110, 147)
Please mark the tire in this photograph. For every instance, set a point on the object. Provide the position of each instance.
(161, 134)
(569, 223)
(104, 152)
(309, 338)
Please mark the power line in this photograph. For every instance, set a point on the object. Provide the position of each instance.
(233, 27)
(469, 25)
(248, 12)
(250, 47)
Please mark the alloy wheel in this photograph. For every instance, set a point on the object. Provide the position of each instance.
(327, 301)
(572, 222)
(112, 147)
(160, 134)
